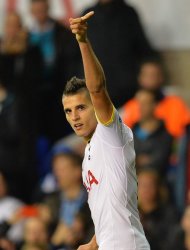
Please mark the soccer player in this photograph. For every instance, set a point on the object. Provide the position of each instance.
(109, 163)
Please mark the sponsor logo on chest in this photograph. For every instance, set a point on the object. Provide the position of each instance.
(89, 178)
(89, 181)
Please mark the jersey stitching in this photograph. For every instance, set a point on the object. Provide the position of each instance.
(124, 159)
(111, 221)
(125, 171)
(128, 164)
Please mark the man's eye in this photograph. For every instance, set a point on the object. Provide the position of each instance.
(80, 107)
(67, 111)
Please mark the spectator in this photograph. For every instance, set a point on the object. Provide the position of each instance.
(8, 207)
(117, 28)
(6, 244)
(16, 145)
(9, 129)
(14, 40)
(157, 216)
(35, 235)
(186, 160)
(55, 41)
(48, 184)
(20, 68)
(181, 238)
(182, 182)
(152, 142)
(69, 202)
(170, 107)
(60, 62)
(20, 64)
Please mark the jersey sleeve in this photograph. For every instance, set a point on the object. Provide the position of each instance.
(114, 132)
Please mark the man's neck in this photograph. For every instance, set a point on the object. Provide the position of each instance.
(88, 138)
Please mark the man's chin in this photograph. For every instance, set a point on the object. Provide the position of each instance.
(79, 133)
(82, 134)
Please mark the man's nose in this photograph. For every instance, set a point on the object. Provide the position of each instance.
(75, 116)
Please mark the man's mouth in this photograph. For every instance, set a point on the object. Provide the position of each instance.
(78, 126)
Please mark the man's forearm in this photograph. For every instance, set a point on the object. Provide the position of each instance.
(94, 74)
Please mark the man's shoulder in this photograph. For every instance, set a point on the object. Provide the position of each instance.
(115, 134)
(115, 119)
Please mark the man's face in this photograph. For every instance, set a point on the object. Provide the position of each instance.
(66, 173)
(35, 232)
(147, 187)
(12, 26)
(40, 11)
(146, 104)
(151, 76)
(80, 114)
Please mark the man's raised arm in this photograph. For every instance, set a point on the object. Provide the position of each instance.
(94, 74)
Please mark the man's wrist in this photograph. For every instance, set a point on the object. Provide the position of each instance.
(84, 45)
(82, 39)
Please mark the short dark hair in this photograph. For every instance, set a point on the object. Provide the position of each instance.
(74, 85)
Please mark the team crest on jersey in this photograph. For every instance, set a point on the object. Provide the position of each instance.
(90, 181)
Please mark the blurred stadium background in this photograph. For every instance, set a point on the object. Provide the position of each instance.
(144, 47)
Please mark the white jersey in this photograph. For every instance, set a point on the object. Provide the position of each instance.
(109, 176)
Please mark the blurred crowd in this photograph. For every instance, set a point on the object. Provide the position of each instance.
(43, 204)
